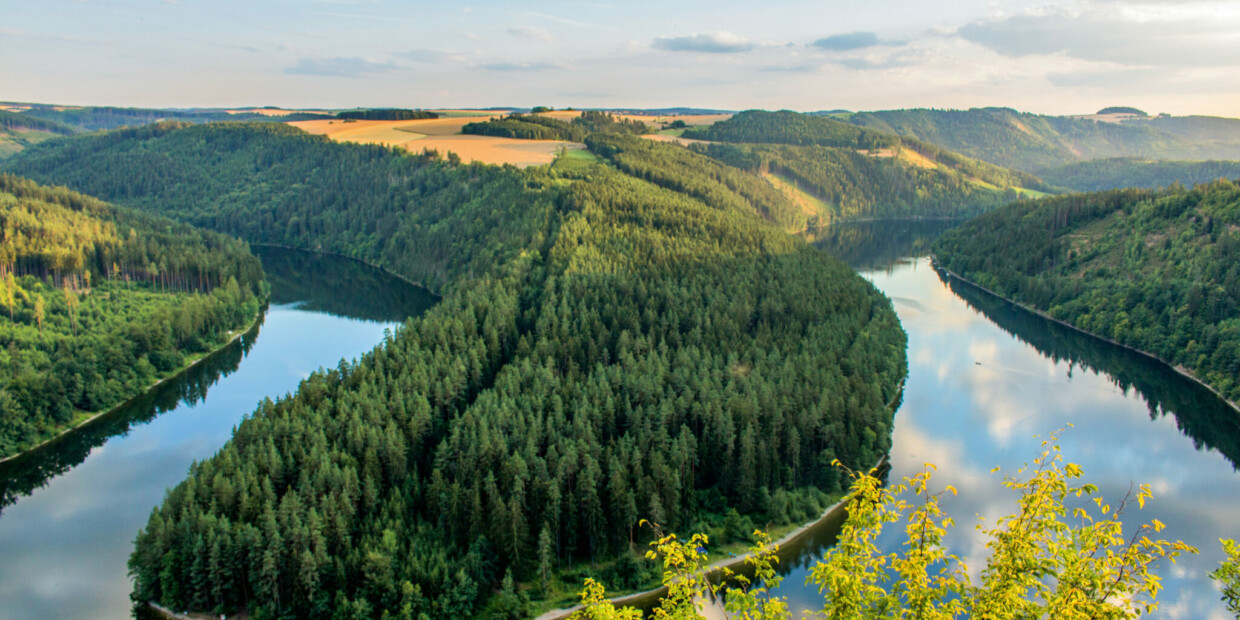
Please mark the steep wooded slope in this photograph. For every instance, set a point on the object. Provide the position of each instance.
(100, 302)
(1155, 270)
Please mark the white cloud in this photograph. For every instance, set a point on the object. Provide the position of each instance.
(1113, 33)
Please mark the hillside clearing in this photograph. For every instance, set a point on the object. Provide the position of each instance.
(810, 205)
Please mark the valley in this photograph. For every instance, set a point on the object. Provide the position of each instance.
(627, 332)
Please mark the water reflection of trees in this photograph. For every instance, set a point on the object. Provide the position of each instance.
(330, 284)
(881, 244)
(21, 476)
(340, 286)
(1199, 413)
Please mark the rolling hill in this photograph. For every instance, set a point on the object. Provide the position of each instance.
(837, 171)
(1033, 142)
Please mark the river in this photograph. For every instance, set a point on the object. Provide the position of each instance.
(69, 511)
(985, 379)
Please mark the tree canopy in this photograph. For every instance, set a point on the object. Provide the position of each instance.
(100, 302)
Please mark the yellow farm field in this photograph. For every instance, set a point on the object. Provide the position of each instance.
(388, 132)
(443, 135)
(689, 119)
(493, 150)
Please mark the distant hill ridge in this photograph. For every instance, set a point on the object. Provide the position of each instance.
(1033, 142)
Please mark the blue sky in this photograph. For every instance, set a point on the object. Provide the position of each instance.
(1064, 56)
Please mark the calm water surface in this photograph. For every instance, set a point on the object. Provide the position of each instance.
(71, 511)
(985, 378)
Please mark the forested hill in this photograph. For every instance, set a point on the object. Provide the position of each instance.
(608, 349)
(1033, 142)
(836, 171)
(539, 127)
(1103, 174)
(98, 303)
(1155, 270)
(271, 183)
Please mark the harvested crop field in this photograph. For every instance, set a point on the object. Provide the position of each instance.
(389, 132)
(492, 150)
(443, 135)
(689, 119)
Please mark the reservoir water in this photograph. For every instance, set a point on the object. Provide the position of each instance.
(69, 512)
(986, 378)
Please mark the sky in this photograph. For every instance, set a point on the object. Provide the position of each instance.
(1057, 57)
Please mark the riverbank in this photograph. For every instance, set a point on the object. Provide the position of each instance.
(1178, 369)
(836, 511)
(96, 416)
(713, 570)
(155, 610)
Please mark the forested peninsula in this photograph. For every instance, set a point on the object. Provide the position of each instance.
(618, 339)
(100, 302)
(1155, 270)
(837, 171)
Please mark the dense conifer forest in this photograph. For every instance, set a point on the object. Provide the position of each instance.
(687, 172)
(617, 341)
(786, 127)
(100, 302)
(1033, 142)
(1103, 174)
(539, 127)
(1158, 271)
(387, 114)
